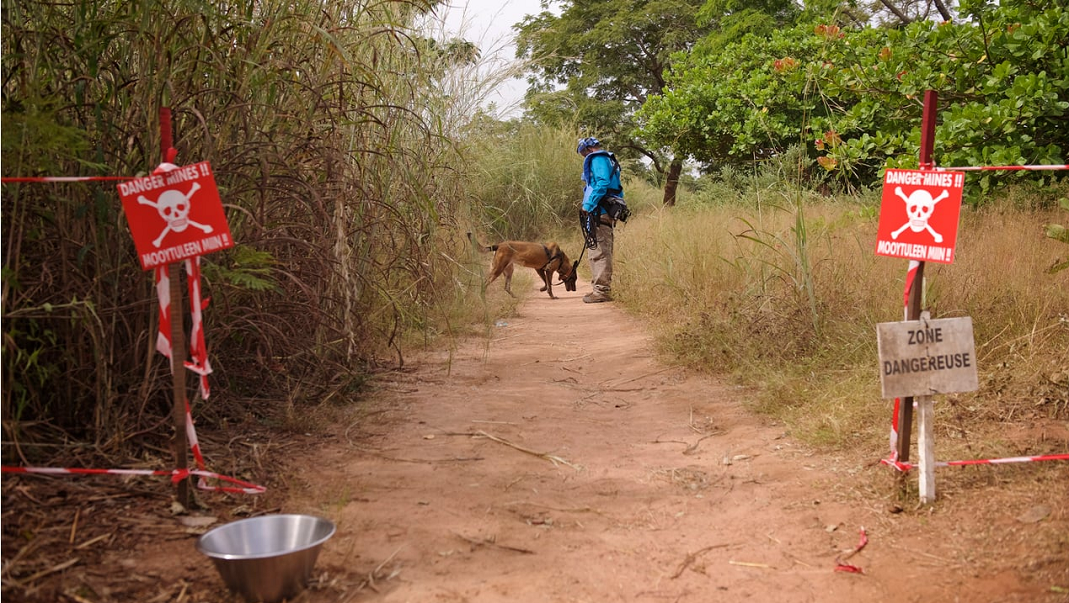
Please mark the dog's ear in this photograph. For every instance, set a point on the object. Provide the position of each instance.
(575, 265)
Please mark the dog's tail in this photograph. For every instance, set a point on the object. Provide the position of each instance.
(480, 246)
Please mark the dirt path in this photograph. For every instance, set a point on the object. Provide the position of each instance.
(562, 463)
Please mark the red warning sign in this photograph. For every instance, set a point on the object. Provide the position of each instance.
(919, 215)
(175, 215)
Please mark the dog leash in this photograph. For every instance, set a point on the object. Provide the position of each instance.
(580, 258)
(575, 264)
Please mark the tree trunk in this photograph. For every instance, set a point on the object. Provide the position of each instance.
(942, 8)
(671, 182)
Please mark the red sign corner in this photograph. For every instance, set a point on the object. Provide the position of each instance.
(175, 215)
(919, 214)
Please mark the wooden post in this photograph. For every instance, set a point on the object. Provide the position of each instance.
(905, 410)
(178, 343)
(915, 299)
(931, 108)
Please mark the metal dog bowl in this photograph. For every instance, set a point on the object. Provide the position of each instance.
(267, 559)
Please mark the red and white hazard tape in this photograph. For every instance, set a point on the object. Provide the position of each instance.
(197, 349)
(177, 475)
(995, 168)
(1013, 459)
(66, 179)
(892, 460)
(840, 562)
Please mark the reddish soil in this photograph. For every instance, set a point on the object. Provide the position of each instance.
(560, 461)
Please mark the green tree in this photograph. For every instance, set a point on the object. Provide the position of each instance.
(730, 20)
(596, 63)
(853, 97)
(1002, 80)
(733, 106)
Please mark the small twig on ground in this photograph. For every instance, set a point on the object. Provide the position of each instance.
(690, 448)
(543, 455)
(929, 555)
(658, 440)
(182, 595)
(51, 570)
(589, 396)
(23, 552)
(694, 447)
(575, 358)
(399, 459)
(76, 598)
(643, 376)
(165, 594)
(93, 541)
(493, 543)
(692, 557)
(552, 508)
(370, 582)
(74, 526)
(747, 564)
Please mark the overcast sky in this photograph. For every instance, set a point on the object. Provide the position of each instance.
(488, 23)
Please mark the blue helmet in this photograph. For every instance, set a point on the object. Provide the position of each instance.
(586, 143)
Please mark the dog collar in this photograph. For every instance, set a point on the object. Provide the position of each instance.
(549, 257)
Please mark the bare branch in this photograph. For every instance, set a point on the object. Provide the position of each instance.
(942, 8)
(898, 12)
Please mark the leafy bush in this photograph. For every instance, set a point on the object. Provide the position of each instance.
(854, 97)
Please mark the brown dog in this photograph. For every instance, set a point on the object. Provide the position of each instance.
(544, 258)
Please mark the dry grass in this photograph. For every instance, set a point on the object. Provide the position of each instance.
(332, 144)
(737, 307)
(526, 179)
(728, 288)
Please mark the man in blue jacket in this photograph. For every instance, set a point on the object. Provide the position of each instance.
(601, 174)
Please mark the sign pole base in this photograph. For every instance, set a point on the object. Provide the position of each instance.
(178, 376)
(925, 448)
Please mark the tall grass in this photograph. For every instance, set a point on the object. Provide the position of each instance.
(331, 146)
(526, 179)
(738, 289)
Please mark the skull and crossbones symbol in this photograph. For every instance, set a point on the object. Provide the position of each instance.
(173, 206)
(919, 207)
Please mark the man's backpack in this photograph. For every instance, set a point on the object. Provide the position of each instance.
(613, 204)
